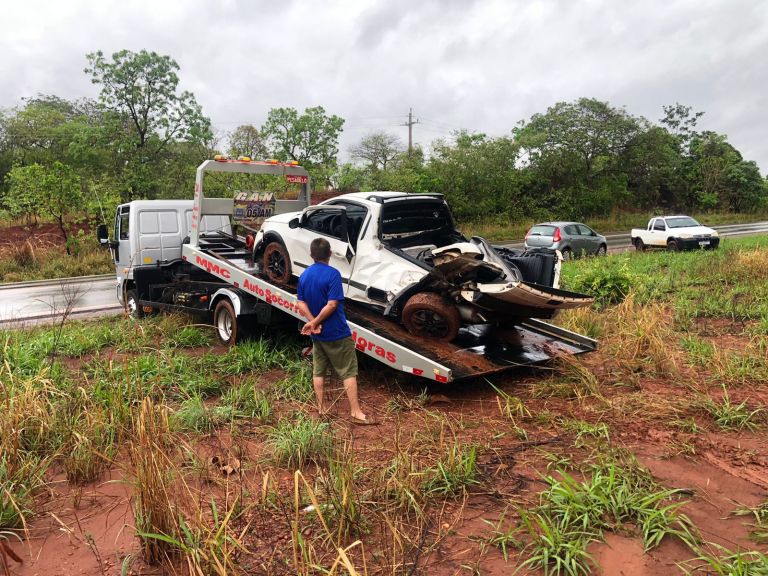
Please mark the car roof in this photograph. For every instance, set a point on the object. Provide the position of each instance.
(379, 197)
(557, 223)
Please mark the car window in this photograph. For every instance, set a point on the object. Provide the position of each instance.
(414, 217)
(355, 217)
(325, 222)
(659, 225)
(571, 230)
(681, 222)
(542, 230)
(584, 230)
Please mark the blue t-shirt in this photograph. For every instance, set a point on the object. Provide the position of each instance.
(318, 284)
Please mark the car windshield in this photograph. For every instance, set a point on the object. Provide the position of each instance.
(406, 218)
(540, 230)
(681, 222)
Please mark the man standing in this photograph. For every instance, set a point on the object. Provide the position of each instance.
(321, 300)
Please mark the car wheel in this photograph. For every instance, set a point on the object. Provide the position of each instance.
(277, 263)
(602, 251)
(672, 246)
(639, 245)
(430, 315)
(567, 253)
(132, 307)
(225, 322)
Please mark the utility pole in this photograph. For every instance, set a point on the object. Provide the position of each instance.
(410, 124)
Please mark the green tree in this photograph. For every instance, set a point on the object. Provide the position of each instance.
(311, 138)
(25, 196)
(378, 150)
(479, 177)
(146, 114)
(246, 140)
(47, 191)
(653, 164)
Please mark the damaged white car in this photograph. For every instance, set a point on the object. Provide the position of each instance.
(402, 255)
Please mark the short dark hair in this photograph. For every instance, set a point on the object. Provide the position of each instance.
(320, 250)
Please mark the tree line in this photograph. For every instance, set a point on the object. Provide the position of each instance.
(143, 137)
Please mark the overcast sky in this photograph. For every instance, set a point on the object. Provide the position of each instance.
(479, 65)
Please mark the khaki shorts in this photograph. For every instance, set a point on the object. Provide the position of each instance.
(337, 354)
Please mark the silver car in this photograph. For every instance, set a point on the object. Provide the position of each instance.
(571, 238)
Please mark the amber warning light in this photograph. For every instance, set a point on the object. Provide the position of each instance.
(296, 179)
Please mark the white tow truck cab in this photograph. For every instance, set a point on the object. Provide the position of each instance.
(208, 268)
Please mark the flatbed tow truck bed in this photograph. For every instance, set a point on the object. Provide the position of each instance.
(472, 354)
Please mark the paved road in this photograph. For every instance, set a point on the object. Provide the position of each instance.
(43, 301)
(621, 242)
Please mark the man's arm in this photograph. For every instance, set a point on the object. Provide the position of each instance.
(314, 326)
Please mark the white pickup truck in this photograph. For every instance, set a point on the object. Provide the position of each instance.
(674, 233)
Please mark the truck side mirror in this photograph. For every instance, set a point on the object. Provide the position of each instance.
(294, 223)
(102, 234)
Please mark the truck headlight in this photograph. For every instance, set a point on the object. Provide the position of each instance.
(715, 234)
(686, 236)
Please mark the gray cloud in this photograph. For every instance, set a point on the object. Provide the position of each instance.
(477, 65)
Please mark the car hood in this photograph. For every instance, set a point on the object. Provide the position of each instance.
(693, 230)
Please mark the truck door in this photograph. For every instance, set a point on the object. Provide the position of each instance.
(159, 236)
(123, 236)
(329, 222)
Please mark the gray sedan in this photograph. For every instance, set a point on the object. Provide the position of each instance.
(571, 238)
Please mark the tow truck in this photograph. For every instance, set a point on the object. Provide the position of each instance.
(215, 273)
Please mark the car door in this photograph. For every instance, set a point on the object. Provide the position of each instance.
(659, 232)
(588, 238)
(574, 239)
(329, 222)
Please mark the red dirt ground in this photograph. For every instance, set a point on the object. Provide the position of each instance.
(720, 470)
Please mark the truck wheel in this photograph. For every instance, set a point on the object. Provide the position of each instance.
(225, 321)
(132, 307)
(672, 246)
(430, 315)
(639, 245)
(277, 263)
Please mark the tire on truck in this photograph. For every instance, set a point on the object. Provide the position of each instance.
(228, 329)
(131, 302)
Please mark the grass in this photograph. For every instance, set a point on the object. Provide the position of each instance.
(116, 394)
(724, 562)
(729, 415)
(43, 263)
(615, 496)
(299, 441)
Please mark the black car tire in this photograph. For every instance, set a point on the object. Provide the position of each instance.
(602, 250)
(276, 263)
(431, 316)
(672, 246)
(567, 253)
(639, 245)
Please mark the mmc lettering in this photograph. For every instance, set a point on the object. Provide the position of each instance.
(212, 267)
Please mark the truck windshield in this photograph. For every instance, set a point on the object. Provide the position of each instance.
(406, 218)
(681, 222)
